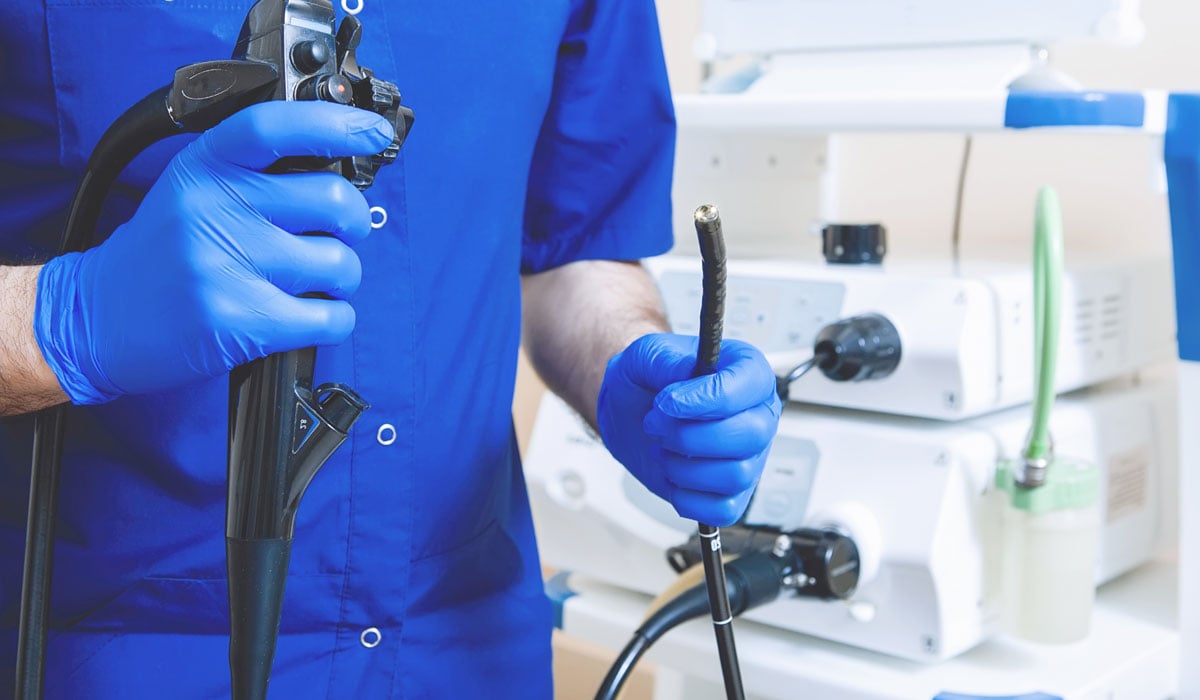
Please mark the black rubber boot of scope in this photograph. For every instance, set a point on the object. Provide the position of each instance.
(257, 573)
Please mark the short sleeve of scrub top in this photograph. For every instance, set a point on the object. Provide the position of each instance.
(599, 187)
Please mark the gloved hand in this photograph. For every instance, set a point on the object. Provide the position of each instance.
(206, 274)
(701, 443)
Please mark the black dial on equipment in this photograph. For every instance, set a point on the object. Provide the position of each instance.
(829, 562)
(858, 348)
(854, 244)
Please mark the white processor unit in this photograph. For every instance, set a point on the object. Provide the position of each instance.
(914, 495)
(967, 334)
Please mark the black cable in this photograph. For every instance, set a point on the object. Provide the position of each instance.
(621, 669)
(801, 369)
(39, 553)
(143, 124)
(854, 349)
(712, 323)
(783, 385)
(754, 579)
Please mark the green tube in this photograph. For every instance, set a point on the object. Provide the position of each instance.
(1047, 283)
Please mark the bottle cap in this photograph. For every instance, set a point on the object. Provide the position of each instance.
(1071, 484)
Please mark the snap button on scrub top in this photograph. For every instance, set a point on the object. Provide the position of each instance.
(379, 217)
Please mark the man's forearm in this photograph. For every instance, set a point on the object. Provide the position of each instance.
(579, 315)
(26, 382)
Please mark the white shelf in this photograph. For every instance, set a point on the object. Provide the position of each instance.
(1132, 653)
(976, 112)
(982, 111)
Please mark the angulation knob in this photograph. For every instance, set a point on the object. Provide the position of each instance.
(310, 56)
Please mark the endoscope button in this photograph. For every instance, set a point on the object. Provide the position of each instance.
(327, 88)
(310, 56)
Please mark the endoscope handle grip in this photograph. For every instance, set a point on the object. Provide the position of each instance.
(282, 431)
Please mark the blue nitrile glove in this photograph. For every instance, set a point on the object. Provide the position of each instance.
(701, 443)
(206, 274)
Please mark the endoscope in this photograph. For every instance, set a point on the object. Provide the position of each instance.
(281, 428)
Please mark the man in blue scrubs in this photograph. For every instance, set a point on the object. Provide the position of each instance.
(538, 175)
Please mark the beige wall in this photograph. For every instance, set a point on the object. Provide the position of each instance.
(1169, 58)
(1106, 182)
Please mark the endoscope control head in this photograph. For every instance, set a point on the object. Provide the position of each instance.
(280, 59)
(314, 62)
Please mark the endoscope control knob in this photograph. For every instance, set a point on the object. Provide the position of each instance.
(327, 88)
(385, 99)
(310, 56)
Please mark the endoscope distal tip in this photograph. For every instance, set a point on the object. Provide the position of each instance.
(707, 214)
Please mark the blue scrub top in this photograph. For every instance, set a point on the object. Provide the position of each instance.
(544, 135)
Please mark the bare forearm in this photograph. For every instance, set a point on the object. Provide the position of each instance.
(578, 316)
(26, 382)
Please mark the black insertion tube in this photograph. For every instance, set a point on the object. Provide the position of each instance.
(712, 325)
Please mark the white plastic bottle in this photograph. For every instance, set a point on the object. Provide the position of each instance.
(1050, 545)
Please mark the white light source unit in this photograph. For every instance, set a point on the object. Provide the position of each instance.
(966, 334)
